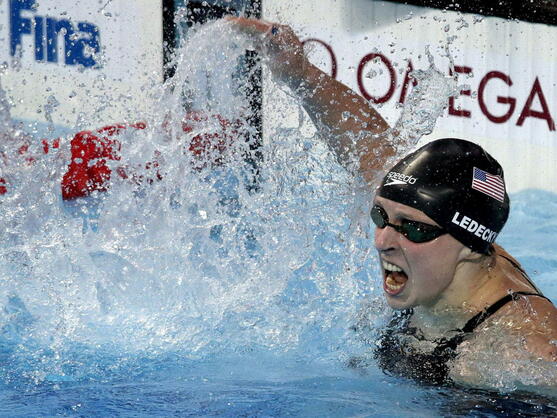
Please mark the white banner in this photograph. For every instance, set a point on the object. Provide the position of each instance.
(70, 63)
(509, 100)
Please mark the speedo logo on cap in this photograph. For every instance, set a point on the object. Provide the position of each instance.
(398, 178)
(474, 227)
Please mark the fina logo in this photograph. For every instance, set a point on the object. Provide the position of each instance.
(81, 41)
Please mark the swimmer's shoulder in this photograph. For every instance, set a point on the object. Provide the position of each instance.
(517, 280)
(533, 319)
(510, 274)
(530, 326)
(509, 267)
(536, 320)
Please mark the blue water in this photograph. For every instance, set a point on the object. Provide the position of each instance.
(41, 377)
(280, 387)
(197, 296)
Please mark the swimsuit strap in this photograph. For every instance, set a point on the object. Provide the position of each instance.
(517, 266)
(486, 313)
(477, 319)
(514, 263)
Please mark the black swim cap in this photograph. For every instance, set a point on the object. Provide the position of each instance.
(458, 185)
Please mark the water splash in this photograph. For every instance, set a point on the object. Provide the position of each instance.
(425, 104)
(193, 263)
(191, 259)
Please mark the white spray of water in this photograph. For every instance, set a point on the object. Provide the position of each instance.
(424, 106)
(196, 262)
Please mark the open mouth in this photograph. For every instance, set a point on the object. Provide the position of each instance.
(394, 279)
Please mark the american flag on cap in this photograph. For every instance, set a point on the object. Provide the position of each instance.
(488, 184)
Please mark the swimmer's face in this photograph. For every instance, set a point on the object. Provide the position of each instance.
(414, 273)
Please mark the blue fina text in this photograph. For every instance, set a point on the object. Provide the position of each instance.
(81, 40)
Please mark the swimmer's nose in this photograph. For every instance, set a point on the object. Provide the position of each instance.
(386, 239)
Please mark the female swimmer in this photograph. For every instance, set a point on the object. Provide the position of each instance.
(437, 214)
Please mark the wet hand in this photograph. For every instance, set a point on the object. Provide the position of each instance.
(279, 44)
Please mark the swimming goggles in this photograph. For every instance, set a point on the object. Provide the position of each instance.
(413, 230)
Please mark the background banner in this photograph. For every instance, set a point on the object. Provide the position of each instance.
(82, 65)
(70, 63)
(507, 70)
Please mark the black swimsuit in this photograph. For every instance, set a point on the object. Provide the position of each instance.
(396, 355)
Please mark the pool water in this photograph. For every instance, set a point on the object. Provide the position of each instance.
(108, 381)
(199, 295)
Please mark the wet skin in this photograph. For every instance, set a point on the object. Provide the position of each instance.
(430, 266)
(443, 275)
(446, 278)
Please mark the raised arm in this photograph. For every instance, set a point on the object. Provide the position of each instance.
(345, 120)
